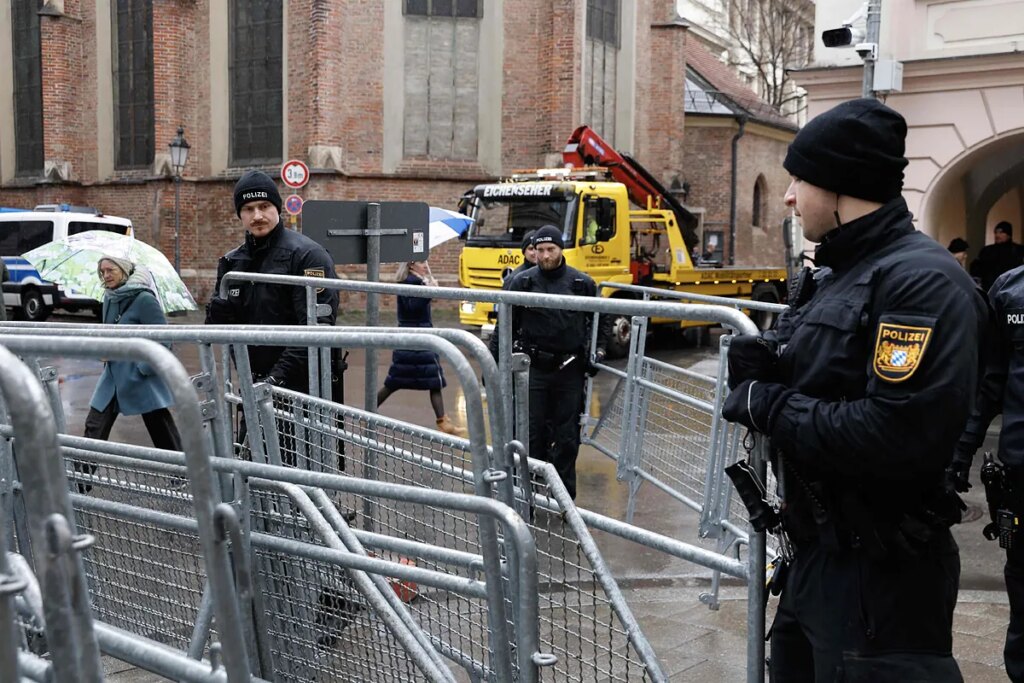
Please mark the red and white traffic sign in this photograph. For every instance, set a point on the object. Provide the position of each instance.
(293, 204)
(294, 173)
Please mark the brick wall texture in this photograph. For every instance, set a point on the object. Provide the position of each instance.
(335, 99)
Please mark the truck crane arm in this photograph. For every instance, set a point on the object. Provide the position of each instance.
(586, 148)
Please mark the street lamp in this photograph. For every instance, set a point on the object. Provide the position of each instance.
(179, 157)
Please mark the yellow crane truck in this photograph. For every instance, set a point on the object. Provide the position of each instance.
(590, 200)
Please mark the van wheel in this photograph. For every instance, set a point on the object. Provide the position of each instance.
(32, 307)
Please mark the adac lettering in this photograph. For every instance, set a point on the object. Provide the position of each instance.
(509, 259)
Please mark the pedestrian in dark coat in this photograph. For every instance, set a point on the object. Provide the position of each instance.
(417, 369)
(129, 387)
(863, 387)
(1002, 255)
(412, 369)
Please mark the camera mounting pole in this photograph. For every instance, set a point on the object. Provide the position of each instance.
(870, 54)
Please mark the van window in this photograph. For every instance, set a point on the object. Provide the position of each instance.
(75, 227)
(17, 237)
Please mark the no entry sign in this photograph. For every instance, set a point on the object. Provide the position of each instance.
(294, 173)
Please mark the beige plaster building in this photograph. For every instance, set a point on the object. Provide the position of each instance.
(963, 98)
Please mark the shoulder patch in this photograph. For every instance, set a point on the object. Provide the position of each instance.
(899, 350)
(315, 272)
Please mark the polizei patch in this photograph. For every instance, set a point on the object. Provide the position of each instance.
(899, 350)
(315, 272)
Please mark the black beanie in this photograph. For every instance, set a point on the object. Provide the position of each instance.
(548, 234)
(527, 240)
(256, 186)
(958, 245)
(1004, 227)
(854, 149)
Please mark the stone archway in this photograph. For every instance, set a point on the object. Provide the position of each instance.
(961, 195)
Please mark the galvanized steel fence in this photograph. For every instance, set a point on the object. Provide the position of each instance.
(321, 595)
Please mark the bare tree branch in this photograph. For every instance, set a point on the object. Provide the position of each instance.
(769, 37)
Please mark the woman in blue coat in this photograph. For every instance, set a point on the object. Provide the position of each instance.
(127, 387)
(412, 369)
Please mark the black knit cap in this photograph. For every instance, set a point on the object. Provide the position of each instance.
(548, 234)
(255, 186)
(958, 245)
(854, 149)
(527, 240)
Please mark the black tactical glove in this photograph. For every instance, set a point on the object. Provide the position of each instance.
(592, 368)
(269, 379)
(755, 404)
(958, 473)
(221, 312)
(751, 356)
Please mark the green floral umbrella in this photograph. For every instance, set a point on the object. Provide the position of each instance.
(71, 263)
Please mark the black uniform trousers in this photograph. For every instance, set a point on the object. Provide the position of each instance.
(556, 400)
(844, 616)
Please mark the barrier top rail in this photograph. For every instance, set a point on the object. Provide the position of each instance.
(242, 334)
(703, 298)
(729, 317)
(186, 402)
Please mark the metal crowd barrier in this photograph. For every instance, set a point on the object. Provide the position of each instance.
(41, 523)
(675, 409)
(576, 586)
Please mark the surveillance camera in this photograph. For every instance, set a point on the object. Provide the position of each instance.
(851, 32)
(837, 37)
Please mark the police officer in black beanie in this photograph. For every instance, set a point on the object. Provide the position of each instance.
(863, 388)
(529, 258)
(271, 248)
(557, 342)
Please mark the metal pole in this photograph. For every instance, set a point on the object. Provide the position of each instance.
(874, 25)
(372, 299)
(177, 223)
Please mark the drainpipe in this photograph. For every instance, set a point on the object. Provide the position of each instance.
(742, 120)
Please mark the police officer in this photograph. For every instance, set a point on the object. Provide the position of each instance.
(1002, 391)
(271, 248)
(863, 388)
(529, 258)
(556, 341)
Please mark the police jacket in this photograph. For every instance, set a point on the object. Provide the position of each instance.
(882, 362)
(282, 252)
(550, 330)
(1002, 386)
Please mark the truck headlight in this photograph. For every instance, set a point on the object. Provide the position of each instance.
(468, 307)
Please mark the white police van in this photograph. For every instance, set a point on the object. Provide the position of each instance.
(31, 297)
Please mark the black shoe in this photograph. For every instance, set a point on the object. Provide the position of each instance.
(334, 614)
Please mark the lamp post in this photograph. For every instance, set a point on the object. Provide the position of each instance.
(179, 156)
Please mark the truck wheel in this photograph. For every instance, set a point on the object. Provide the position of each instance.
(32, 307)
(764, 292)
(618, 344)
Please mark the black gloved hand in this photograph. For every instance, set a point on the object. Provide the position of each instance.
(269, 379)
(221, 312)
(751, 356)
(755, 404)
(958, 474)
(592, 368)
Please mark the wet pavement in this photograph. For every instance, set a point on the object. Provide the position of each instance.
(693, 642)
